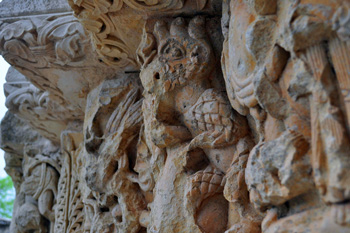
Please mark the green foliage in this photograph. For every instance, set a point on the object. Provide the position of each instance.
(7, 197)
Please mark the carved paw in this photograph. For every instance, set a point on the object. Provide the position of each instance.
(165, 135)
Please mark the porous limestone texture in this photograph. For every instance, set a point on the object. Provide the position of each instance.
(213, 116)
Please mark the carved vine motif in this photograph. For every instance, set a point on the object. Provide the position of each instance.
(60, 39)
(112, 43)
(103, 6)
(180, 159)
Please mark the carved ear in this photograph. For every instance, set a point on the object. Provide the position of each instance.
(147, 49)
(202, 53)
(179, 28)
(161, 31)
(196, 28)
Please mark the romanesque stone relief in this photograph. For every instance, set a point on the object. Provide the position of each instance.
(33, 163)
(198, 125)
(116, 26)
(103, 6)
(51, 51)
(34, 105)
(34, 209)
(114, 38)
(115, 196)
(15, 134)
(192, 119)
(69, 213)
(24, 43)
(281, 71)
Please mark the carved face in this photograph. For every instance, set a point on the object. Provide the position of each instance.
(32, 181)
(183, 55)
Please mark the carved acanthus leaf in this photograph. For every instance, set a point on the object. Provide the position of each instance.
(116, 45)
(37, 42)
(69, 211)
(105, 6)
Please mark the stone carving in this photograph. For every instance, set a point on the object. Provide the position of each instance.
(103, 6)
(69, 209)
(116, 26)
(115, 198)
(15, 134)
(283, 81)
(158, 134)
(184, 107)
(35, 106)
(51, 51)
(35, 203)
(113, 46)
(24, 43)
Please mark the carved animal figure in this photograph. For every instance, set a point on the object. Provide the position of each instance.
(184, 107)
(177, 82)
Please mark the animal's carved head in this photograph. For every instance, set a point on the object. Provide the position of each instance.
(172, 57)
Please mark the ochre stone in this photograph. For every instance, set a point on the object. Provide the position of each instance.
(169, 116)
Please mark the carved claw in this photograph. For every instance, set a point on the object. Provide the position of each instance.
(269, 219)
(168, 135)
(204, 140)
(210, 140)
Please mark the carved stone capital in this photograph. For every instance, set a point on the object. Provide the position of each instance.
(116, 27)
(54, 53)
(35, 106)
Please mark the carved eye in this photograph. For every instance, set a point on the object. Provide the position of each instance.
(173, 51)
(177, 53)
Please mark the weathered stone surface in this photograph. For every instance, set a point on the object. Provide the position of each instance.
(172, 116)
(53, 51)
(281, 77)
(9, 8)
